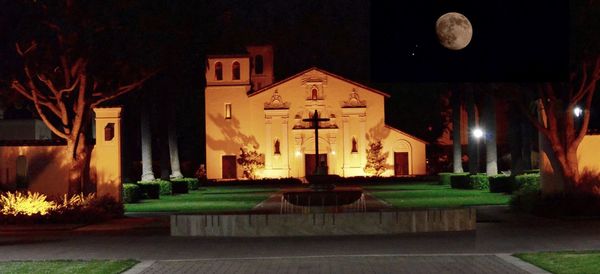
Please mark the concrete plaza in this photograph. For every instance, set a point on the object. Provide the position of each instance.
(498, 234)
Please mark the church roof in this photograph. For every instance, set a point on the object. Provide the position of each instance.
(409, 135)
(324, 72)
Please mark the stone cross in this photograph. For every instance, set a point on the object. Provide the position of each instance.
(315, 123)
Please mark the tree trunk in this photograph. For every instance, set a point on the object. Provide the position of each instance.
(473, 146)
(456, 140)
(491, 154)
(80, 156)
(147, 173)
(515, 137)
(173, 149)
(527, 135)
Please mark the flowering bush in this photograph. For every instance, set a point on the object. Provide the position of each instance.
(25, 204)
(33, 208)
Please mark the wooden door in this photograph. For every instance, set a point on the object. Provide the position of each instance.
(401, 163)
(309, 162)
(229, 167)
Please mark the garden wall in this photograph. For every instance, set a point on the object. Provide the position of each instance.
(589, 153)
(325, 224)
(38, 166)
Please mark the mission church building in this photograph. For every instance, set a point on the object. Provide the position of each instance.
(245, 108)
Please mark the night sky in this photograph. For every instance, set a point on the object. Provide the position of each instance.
(371, 42)
(521, 41)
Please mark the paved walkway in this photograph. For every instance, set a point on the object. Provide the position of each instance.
(498, 233)
(341, 264)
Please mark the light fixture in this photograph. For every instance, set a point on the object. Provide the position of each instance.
(298, 153)
(478, 133)
(577, 111)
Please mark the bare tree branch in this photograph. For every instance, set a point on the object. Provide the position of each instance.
(45, 119)
(49, 84)
(31, 47)
(69, 89)
(123, 89)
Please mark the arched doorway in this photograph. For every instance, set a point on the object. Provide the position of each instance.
(402, 158)
(309, 161)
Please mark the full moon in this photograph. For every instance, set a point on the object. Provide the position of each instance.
(454, 30)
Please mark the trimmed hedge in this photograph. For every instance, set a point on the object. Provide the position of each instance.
(479, 181)
(179, 187)
(358, 180)
(466, 181)
(131, 193)
(460, 181)
(192, 183)
(527, 181)
(164, 186)
(501, 183)
(445, 177)
(150, 190)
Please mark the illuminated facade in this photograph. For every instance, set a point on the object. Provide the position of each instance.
(244, 108)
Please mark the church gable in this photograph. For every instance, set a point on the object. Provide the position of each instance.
(277, 118)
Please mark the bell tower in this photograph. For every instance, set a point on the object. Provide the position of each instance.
(261, 59)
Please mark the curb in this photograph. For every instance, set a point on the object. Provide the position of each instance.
(140, 267)
(525, 266)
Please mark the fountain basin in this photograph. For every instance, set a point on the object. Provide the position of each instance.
(322, 198)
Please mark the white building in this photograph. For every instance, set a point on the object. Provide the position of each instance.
(244, 108)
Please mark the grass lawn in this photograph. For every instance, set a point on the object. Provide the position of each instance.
(210, 199)
(565, 261)
(433, 195)
(67, 266)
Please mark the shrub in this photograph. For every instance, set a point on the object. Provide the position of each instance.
(445, 178)
(179, 187)
(150, 191)
(131, 193)
(376, 159)
(109, 206)
(75, 209)
(96, 210)
(479, 181)
(259, 182)
(527, 182)
(501, 183)
(589, 182)
(165, 186)
(526, 200)
(78, 200)
(25, 204)
(251, 161)
(191, 182)
(460, 181)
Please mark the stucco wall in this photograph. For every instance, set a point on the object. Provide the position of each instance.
(252, 126)
(47, 168)
(589, 153)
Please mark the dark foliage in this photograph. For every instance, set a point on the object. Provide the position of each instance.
(131, 193)
(98, 210)
(460, 181)
(191, 182)
(501, 183)
(446, 176)
(179, 187)
(150, 191)
(164, 186)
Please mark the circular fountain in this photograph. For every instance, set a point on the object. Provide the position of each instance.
(321, 192)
